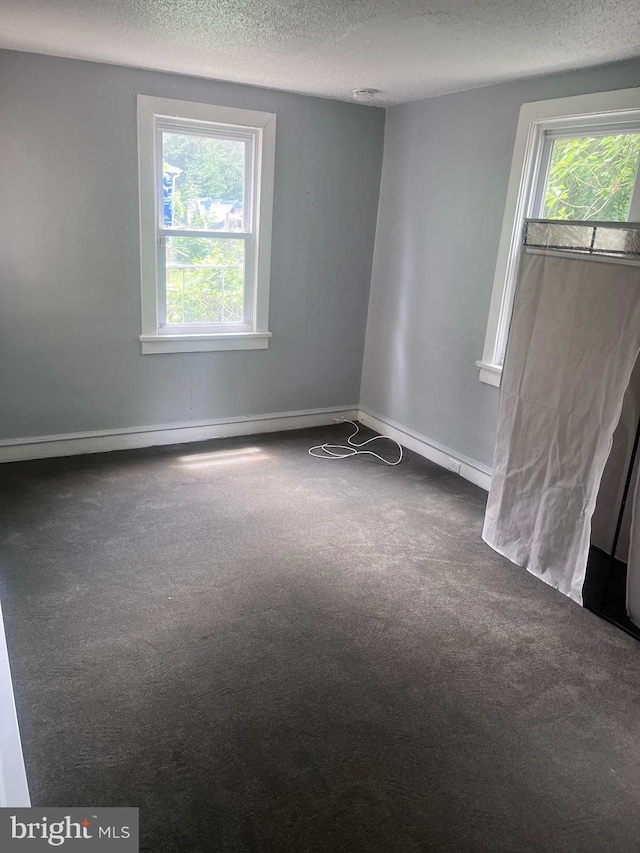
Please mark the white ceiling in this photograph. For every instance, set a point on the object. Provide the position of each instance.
(407, 49)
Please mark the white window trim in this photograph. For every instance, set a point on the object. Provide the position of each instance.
(582, 111)
(264, 126)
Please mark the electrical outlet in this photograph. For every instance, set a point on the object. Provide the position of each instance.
(453, 465)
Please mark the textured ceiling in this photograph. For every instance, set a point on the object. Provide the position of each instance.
(406, 49)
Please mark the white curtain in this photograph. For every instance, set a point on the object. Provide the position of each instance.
(573, 342)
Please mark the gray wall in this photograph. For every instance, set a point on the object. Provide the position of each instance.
(444, 183)
(69, 264)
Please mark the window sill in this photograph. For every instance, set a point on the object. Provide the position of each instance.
(490, 374)
(204, 343)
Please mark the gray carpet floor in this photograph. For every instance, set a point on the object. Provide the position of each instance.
(268, 652)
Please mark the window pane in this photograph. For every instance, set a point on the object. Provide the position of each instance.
(205, 280)
(607, 239)
(545, 235)
(202, 182)
(591, 178)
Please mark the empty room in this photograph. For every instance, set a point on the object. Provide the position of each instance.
(319, 426)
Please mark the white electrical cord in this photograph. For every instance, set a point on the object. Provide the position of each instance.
(326, 451)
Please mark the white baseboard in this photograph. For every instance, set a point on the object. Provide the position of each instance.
(100, 441)
(14, 791)
(471, 470)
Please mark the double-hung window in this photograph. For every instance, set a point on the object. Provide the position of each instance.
(206, 198)
(574, 159)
